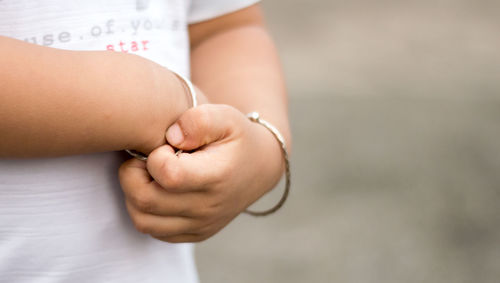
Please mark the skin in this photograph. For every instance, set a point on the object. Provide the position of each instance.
(57, 102)
(190, 197)
(49, 108)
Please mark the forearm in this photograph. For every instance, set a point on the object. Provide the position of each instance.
(57, 102)
(239, 66)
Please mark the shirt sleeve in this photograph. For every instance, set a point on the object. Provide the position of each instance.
(202, 10)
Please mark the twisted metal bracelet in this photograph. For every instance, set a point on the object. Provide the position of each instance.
(188, 87)
(255, 117)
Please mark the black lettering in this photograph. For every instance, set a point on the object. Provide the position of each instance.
(148, 25)
(48, 39)
(31, 40)
(135, 25)
(64, 37)
(96, 31)
(109, 24)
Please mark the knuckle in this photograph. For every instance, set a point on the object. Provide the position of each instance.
(234, 116)
(201, 215)
(203, 230)
(185, 210)
(207, 212)
(141, 226)
(156, 164)
(123, 171)
(204, 210)
(169, 230)
(229, 110)
(143, 201)
(203, 117)
(173, 178)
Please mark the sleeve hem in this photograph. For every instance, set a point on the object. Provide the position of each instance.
(214, 12)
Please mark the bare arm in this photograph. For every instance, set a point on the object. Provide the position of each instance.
(56, 102)
(235, 161)
(234, 61)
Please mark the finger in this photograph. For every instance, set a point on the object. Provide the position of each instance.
(151, 198)
(161, 226)
(203, 125)
(188, 171)
(204, 231)
(183, 238)
(133, 173)
(148, 196)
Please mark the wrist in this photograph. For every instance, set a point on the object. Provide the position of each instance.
(171, 100)
(255, 118)
(271, 161)
(182, 95)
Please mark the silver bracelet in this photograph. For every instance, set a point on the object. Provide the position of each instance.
(188, 86)
(255, 117)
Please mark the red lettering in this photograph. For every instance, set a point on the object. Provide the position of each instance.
(121, 47)
(144, 42)
(133, 46)
(125, 47)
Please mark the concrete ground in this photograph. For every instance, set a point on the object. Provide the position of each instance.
(395, 110)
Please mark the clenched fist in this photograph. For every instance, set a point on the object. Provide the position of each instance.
(227, 164)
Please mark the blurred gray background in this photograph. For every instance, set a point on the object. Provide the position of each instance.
(395, 111)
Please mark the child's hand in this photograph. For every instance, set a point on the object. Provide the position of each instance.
(194, 195)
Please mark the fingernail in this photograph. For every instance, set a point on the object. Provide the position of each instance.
(174, 135)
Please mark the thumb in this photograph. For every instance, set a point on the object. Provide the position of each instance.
(202, 125)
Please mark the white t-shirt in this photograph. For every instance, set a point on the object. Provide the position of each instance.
(63, 219)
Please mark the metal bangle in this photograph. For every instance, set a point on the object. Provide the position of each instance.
(188, 86)
(255, 117)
